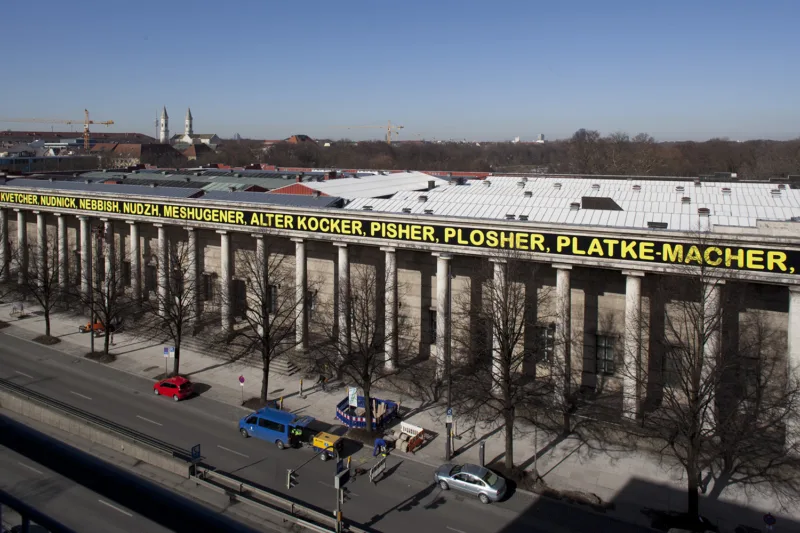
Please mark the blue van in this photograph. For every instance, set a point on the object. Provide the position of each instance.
(273, 425)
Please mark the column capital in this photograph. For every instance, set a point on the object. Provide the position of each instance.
(37, 212)
(562, 266)
(389, 249)
(340, 244)
(189, 228)
(222, 232)
(84, 218)
(258, 235)
(18, 210)
(132, 222)
(298, 240)
(443, 255)
(714, 283)
(106, 219)
(157, 225)
(794, 288)
(57, 214)
(636, 273)
(497, 260)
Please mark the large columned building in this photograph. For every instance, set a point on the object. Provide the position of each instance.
(604, 249)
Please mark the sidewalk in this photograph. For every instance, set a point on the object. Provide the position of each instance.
(631, 481)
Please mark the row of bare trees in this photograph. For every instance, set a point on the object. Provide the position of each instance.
(586, 152)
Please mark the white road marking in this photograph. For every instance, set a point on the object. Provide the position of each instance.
(232, 451)
(454, 529)
(23, 374)
(148, 420)
(79, 394)
(116, 508)
(30, 468)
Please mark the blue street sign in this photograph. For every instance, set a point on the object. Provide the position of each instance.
(339, 466)
(166, 351)
(195, 452)
(172, 351)
(449, 411)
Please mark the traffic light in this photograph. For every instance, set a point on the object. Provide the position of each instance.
(291, 479)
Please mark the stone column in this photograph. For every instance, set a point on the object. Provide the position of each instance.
(793, 349)
(391, 310)
(262, 284)
(41, 249)
(193, 273)
(136, 262)
(498, 362)
(110, 249)
(163, 268)
(225, 274)
(442, 314)
(712, 330)
(562, 364)
(343, 298)
(22, 246)
(5, 259)
(63, 253)
(632, 366)
(86, 255)
(300, 282)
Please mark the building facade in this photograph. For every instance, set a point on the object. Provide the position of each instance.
(604, 280)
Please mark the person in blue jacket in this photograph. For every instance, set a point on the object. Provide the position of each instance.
(380, 447)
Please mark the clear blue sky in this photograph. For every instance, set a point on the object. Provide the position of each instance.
(444, 69)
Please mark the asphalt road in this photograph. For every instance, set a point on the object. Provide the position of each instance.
(403, 500)
(65, 501)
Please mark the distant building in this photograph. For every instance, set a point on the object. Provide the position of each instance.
(125, 155)
(197, 150)
(190, 137)
(540, 138)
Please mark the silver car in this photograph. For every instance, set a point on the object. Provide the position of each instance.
(472, 479)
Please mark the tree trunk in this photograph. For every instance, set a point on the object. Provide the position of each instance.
(368, 409)
(509, 430)
(106, 336)
(47, 322)
(176, 363)
(264, 373)
(692, 473)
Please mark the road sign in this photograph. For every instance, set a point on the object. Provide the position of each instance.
(352, 393)
(166, 351)
(172, 351)
(195, 452)
(449, 415)
(769, 519)
(341, 479)
(241, 381)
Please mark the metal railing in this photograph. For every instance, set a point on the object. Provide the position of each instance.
(97, 421)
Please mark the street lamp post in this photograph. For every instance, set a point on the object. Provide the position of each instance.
(96, 231)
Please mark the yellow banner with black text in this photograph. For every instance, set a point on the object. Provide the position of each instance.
(756, 259)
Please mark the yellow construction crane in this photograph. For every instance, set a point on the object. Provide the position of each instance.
(85, 123)
(389, 130)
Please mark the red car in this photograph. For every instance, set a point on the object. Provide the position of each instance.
(177, 387)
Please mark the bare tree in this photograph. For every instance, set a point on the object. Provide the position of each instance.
(499, 327)
(173, 312)
(106, 299)
(360, 355)
(42, 280)
(721, 409)
(271, 310)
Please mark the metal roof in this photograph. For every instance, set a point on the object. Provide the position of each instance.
(140, 190)
(376, 186)
(642, 201)
(291, 200)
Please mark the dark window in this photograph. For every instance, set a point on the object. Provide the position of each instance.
(126, 273)
(311, 303)
(270, 425)
(252, 420)
(208, 288)
(545, 336)
(670, 370)
(263, 423)
(272, 299)
(605, 354)
(432, 326)
(150, 278)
